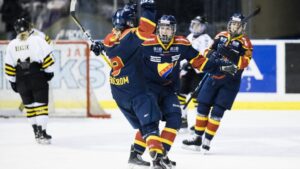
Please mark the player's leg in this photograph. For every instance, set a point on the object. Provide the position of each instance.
(41, 99)
(172, 115)
(223, 102)
(206, 99)
(28, 101)
(186, 87)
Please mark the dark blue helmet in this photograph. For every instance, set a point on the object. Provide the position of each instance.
(166, 22)
(124, 18)
(236, 26)
(21, 25)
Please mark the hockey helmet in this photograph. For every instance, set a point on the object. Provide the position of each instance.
(166, 28)
(236, 26)
(124, 18)
(21, 25)
(198, 25)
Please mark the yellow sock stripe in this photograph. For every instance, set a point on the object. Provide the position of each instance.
(30, 114)
(156, 150)
(166, 141)
(213, 121)
(199, 128)
(170, 130)
(201, 118)
(210, 132)
(140, 143)
(42, 113)
(181, 99)
(153, 138)
(41, 108)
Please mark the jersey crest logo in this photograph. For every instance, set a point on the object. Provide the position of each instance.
(174, 49)
(157, 49)
(164, 69)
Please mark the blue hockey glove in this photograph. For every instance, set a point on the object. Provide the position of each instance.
(228, 52)
(147, 4)
(97, 48)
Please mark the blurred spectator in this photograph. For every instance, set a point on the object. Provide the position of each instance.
(11, 10)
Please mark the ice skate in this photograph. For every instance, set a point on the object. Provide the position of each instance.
(159, 163)
(193, 143)
(206, 146)
(169, 162)
(44, 138)
(135, 160)
(184, 125)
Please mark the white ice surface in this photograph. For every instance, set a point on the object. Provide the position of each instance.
(245, 140)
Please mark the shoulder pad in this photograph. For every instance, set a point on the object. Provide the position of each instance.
(246, 42)
(223, 33)
(152, 40)
(181, 40)
(110, 40)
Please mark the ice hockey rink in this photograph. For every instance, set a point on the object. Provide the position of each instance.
(245, 140)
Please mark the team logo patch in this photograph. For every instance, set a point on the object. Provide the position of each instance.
(164, 69)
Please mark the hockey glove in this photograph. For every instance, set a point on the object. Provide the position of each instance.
(97, 48)
(231, 69)
(49, 76)
(228, 52)
(147, 4)
(14, 86)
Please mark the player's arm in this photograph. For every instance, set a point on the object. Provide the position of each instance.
(9, 66)
(244, 60)
(47, 59)
(147, 20)
(10, 69)
(210, 65)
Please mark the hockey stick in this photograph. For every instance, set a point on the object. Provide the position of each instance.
(252, 14)
(72, 13)
(196, 90)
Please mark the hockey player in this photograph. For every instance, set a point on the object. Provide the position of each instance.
(128, 85)
(189, 78)
(28, 68)
(162, 54)
(219, 90)
(35, 32)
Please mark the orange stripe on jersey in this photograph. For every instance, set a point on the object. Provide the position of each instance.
(181, 40)
(223, 33)
(110, 40)
(152, 40)
(245, 60)
(199, 62)
(145, 29)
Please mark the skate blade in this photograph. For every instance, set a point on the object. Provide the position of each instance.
(133, 166)
(193, 148)
(44, 141)
(204, 151)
